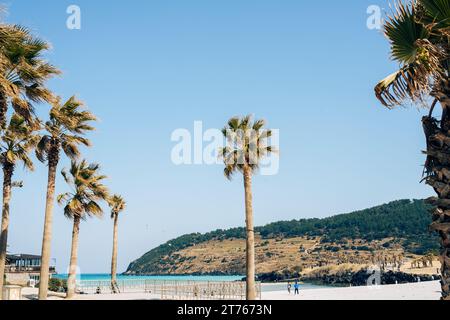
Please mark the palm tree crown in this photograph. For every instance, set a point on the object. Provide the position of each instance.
(117, 204)
(17, 142)
(65, 129)
(23, 71)
(88, 190)
(246, 144)
(419, 35)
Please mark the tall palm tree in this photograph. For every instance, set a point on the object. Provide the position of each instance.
(419, 35)
(65, 132)
(117, 204)
(23, 72)
(246, 146)
(80, 203)
(16, 143)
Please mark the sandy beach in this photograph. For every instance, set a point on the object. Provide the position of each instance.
(412, 291)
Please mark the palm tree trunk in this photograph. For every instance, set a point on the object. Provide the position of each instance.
(250, 244)
(71, 282)
(48, 224)
(438, 176)
(114, 286)
(3, 110)
(8, 170)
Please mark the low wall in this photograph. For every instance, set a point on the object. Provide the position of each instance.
(18, 279)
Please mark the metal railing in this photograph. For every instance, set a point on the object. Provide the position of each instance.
(171, 290)
(34, 269)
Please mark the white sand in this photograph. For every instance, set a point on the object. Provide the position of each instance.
(32, 294)
(412, 291)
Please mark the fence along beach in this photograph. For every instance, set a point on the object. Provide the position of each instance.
(171, 289)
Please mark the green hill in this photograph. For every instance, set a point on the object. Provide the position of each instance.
(405, 220)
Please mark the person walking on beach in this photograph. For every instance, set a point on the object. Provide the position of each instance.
(296, 288)
(289, 287)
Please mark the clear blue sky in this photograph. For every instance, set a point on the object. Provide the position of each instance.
(147, 68)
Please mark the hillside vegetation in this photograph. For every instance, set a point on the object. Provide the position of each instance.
(399, 226)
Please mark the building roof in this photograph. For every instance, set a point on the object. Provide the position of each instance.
(15, 257)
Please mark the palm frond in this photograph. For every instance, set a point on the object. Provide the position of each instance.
(43, 148)
(419, 44)
(435, 15)
(403, 31)
(415, 80)
(92, 208)
(17, 142)
(70, 149)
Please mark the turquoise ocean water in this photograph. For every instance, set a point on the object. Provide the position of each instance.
(265, 288)
(105, 277)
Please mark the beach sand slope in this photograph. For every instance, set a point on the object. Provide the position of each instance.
(412, 291)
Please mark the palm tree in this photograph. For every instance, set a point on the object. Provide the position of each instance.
(245, 148)
(23, 72)
(16, 144)
(65, 129)
(419, 36)
(81, 203)
(117, 204)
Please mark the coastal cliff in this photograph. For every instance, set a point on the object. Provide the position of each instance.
(392, 235)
